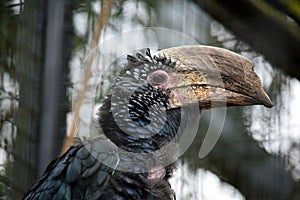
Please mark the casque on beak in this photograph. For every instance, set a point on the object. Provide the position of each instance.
(213, 77)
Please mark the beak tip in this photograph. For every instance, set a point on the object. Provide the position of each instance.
(268, 104)
(266, 101)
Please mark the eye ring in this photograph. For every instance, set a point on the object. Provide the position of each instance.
(158, 77)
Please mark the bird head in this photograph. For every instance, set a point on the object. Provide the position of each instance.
(149, 92)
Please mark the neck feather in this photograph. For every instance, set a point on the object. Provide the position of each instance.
(135, 139)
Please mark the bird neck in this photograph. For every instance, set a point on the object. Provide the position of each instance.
(140, 134)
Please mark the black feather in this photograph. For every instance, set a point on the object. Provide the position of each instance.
(90, 170)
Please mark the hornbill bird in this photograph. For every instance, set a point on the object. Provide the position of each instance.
(151, 102)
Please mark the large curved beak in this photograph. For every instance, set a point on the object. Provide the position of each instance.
(213, 77)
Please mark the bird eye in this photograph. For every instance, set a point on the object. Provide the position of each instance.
(158, 77)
